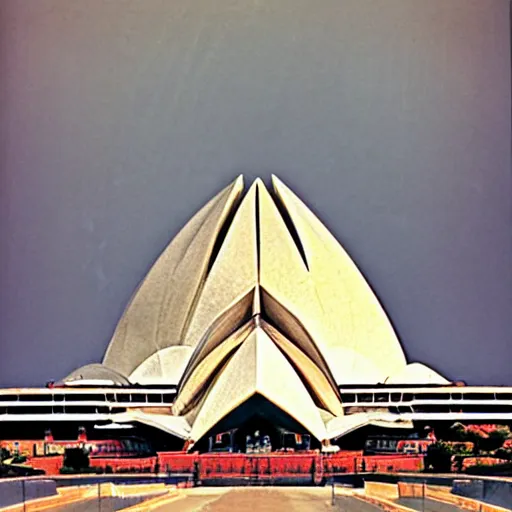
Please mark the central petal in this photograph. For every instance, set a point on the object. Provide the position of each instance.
(257, 368)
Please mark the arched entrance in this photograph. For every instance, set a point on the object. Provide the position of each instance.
(257, 435)
(257, 426)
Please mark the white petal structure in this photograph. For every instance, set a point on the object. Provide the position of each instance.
(163, 367)
(96, 373)
(160, 311)
(255, 300)
(258, 368)
(351, 317)
(415, 373)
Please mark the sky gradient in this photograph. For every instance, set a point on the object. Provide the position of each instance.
(391, 119)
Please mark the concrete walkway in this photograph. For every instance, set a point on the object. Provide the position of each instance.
(428, 505)
(265, 499)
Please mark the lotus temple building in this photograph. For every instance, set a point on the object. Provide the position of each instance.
(254, 317)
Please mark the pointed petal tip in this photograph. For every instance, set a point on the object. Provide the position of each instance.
(278, 185)
(238, 182)
(257, 184)
(275, 179)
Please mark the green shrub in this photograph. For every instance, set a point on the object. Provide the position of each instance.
(495, 440)
(76, 458)
(67, 470)
(4, 454)
(503, 453)
(439, 457)
(458, 432)
(489, 470)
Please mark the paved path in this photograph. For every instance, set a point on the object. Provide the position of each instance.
(107, 505)
(265, 499)
(428, 505)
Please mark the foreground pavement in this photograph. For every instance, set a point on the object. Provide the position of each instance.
(108, 504)
(264, 499)
(427, 505)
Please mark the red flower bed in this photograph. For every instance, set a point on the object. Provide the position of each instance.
(177, 462)
(220, 465)
(131, 465)
(469, 462)
(50, 465)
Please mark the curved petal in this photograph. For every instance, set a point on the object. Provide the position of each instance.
(351, 315)
(161, 308)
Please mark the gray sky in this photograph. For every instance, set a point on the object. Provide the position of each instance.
(390, 119)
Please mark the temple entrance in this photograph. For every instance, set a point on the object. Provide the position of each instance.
(257, 436)
(257, 426)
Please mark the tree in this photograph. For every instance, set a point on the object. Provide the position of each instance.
(495, 439)
(457, 432)
(76, 459)
(439, 457)
(4, 454)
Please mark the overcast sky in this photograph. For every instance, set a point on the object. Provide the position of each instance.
(390, 119)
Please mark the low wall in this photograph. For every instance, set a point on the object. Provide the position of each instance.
(141, 464)
(177, 462)
(219, 464)
(408, 490)
(11, 491)
(312, 465)
(465, 503)
(389, 463)
(445, 495)
(495, 492)
(380, 490)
